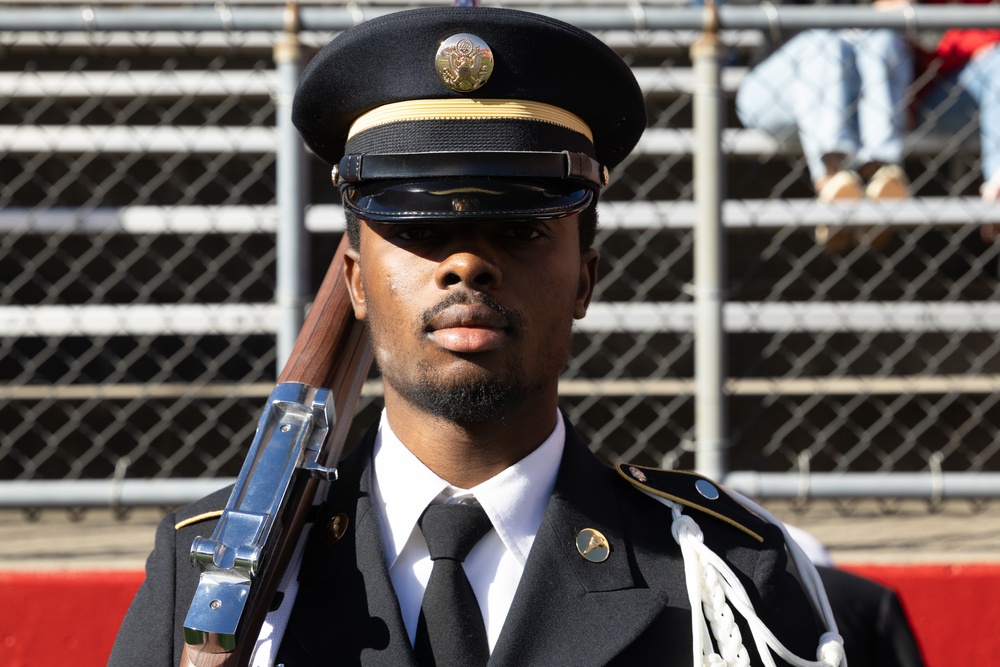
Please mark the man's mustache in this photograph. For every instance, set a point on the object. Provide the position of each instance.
(513, 317)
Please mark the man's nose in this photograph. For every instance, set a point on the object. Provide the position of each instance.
(471, 265)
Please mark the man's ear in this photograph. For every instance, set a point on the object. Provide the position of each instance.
(589, 260)
(352, 274)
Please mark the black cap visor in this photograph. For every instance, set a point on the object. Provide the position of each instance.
(451, 199)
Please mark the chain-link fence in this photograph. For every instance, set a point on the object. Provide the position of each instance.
(138, 260)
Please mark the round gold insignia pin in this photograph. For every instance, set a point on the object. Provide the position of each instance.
(464, 62)
(335, 529)
(592, 545)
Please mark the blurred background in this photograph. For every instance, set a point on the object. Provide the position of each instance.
(138, 257)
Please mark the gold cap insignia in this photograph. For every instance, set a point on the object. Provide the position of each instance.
(335, 529)
(464, 62)
(592, 545)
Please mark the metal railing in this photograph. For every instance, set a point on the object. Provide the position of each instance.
(651, 377)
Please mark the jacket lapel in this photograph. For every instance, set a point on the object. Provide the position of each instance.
(571, 611)
(567, 611)
(346, 612)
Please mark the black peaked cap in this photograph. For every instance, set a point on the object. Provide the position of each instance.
(537, 59)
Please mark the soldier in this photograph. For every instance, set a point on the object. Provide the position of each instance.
(471, 146)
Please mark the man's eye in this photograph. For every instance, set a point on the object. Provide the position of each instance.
(524, 232)
(414, 233)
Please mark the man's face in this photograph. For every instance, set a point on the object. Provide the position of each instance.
(471, 320)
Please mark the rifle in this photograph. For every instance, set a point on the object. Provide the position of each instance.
(300, 437)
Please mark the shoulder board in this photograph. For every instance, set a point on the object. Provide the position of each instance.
(198, 518)
(695, 492)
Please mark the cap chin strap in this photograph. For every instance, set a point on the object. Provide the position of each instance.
(714, 588)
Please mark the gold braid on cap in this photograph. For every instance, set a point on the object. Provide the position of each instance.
(465, 109)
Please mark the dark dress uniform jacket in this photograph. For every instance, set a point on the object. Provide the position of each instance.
(632, 609)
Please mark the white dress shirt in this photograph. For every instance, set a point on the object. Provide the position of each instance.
(514, 500)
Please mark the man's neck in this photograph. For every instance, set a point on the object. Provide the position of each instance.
(466, 455)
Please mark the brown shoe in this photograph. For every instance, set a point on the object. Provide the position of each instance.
(842, 186)
(889, 182)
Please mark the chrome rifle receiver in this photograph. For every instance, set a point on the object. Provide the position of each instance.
(288, 445)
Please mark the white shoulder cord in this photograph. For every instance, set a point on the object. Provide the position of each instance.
(803, 564)
(712, 586)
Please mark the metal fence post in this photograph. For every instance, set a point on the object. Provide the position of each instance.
(291, 241)
(711, 422)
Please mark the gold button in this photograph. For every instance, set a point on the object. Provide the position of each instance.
(335, 529)
(464, 62)
(592, 545)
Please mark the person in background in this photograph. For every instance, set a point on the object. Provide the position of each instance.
(844, 92)
(871, 619)
(959, 83)
(870, 616)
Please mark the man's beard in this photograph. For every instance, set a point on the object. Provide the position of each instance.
(468, 401)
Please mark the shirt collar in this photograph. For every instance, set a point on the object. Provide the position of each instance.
(515, 499)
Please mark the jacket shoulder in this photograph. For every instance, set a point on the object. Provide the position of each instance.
(206, 509)
(150, 632)
(695, 492)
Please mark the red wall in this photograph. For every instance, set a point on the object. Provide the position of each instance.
(954, 609)
(62, 618)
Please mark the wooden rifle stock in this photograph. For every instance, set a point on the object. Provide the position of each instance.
(332, 351)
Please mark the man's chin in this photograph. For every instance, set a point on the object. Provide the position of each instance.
(468, 403)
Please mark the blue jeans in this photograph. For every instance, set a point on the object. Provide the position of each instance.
(955, 100)
(843, 91)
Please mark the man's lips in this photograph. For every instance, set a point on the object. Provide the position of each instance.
(469, 328)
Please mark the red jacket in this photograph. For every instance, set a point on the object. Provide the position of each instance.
(957, 46)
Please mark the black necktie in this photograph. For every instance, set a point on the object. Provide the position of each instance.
(450, 631)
